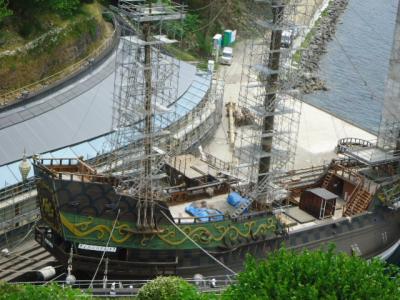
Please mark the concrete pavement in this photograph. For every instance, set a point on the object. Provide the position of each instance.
(319, 131)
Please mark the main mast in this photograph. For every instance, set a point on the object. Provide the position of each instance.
(270, 91)
(266, 143)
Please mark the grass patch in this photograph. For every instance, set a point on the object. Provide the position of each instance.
(306, 43)
(310, 35)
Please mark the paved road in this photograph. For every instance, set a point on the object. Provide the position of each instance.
(78, 112)
(219, 144)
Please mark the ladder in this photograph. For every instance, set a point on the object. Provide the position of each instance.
(260, 188)
(327, 180)
(358, 203)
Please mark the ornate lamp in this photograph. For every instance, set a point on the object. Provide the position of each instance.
(24, 168)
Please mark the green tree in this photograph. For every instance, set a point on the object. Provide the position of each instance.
(62, 7)
(4, 11)
(35, 292)
(65, 7)
(168, 288)
(315, 275)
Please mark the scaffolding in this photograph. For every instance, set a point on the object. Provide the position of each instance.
(146, 85)
(265, 146)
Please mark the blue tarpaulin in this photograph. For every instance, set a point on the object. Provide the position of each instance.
(204, 214)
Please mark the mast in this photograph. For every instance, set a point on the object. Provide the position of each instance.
(148, 95)
(146, 83)
(389, 131)
(270, 94)
(267, 139)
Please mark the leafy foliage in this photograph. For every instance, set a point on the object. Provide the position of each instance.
(315, 275)
(32, 292)
(4, 11)
(168, 288)
(62, 7)
(66, 7)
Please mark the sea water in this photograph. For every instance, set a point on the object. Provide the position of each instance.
(356, 63)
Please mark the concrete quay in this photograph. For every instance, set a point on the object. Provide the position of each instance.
(319, 133)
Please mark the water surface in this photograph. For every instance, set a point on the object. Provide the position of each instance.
(356, 64)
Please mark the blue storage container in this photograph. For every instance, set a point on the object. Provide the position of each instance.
(234, 199)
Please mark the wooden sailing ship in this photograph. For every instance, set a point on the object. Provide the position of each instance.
(152, 211)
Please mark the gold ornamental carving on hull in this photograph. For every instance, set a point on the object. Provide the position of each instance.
(82, 229)
(204, 235)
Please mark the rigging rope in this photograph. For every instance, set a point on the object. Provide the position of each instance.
(197, 245)
(55, 278)
(23, 239)
(365, 82)
(104, 252)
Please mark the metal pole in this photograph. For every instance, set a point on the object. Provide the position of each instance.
(272, 81)
(148, 95)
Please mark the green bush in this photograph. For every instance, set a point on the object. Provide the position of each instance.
(62, 7)
(66, 7)
(39, 292)
(315, 275)
(4, 11)
(168, 288)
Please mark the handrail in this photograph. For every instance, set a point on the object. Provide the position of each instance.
(344, 143)
(17, 189)
(216, 162)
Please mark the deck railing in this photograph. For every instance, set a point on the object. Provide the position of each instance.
(17, 189)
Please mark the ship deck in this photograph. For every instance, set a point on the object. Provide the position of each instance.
(216, 202)
(293, 217)
(297, 219)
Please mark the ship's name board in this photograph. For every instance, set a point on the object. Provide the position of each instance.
(97, 248)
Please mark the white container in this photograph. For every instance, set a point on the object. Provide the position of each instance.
(227, 56)
(210, 66)
(46, 273)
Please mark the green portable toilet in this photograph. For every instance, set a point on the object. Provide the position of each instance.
(227, 37)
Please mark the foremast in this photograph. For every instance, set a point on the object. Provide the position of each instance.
(146, 83)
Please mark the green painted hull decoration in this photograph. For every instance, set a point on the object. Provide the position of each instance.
(96, 231)
(88, 227)
(389, 194)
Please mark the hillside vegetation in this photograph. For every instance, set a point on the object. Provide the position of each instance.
(41, 37)
(205, 18)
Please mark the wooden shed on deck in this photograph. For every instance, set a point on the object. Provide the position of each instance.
(318, 202)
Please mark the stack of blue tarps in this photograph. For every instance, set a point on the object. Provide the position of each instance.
(236, 200)
(204, 214)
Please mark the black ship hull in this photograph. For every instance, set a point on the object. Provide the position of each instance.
(366, 235)
(85, 213)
